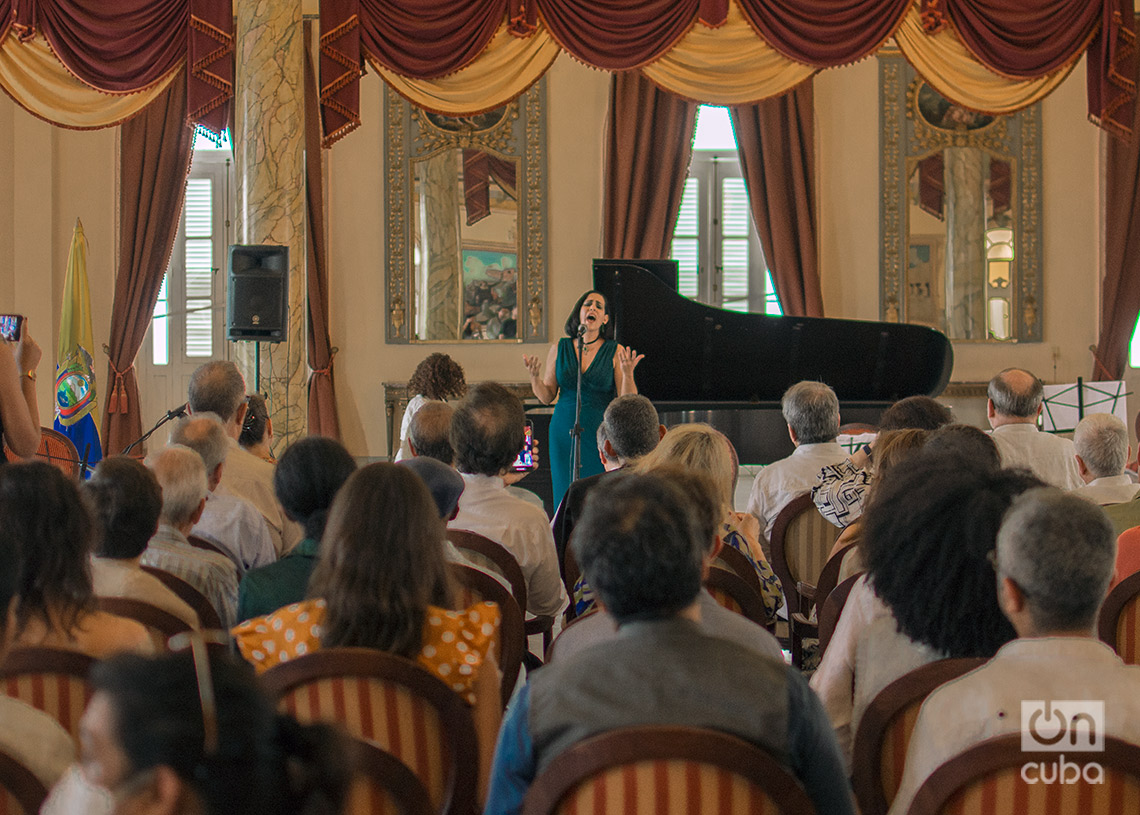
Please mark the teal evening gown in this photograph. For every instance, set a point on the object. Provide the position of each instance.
(598, 390)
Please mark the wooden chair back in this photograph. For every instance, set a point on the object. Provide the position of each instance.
(477, 585)
(884, 732)
(161, 623)
(207, 615)
(828, 580)
(484, 551)
(49, 679)
(988, 779)
(832, 609)
(393, 703)
(57, 450)
(1119, 624)
(383, 785)
(732, 592)
(662, 771)
(570, 575)
(801, 542)
(21, 792)
(738, 564)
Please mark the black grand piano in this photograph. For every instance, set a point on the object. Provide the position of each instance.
(706, 364)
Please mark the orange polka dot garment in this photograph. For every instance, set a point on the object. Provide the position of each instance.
(455, 643)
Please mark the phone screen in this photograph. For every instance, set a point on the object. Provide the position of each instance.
(525, 460)
(10, 327)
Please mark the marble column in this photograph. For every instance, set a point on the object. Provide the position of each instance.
(269, 143)
(966, 170)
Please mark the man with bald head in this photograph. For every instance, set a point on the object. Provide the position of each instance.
(1015, 397)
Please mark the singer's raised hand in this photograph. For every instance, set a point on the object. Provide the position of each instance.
(533, 365)
(628, 359)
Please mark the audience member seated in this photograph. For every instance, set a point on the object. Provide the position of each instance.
(229, 522)
(1054, 560)
(928, 591)
(306, 480)
(642, 548)
(185, 734)
(1015, 398)
(812, 413)
(429, 433)
(715, 620)
(698, 448)
(436, 379)
(218, 387)
(44, 520)
(1101, 444)
(182, 476)
(487, 434)
(891, 447)
(965, 441)
(127, 503)
(382, 582)
(1127, 555)
(32, 737)
(629, 430)
(257, 429)
(446, 487)
(841, 490)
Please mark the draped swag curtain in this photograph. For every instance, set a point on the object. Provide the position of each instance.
(155, 151)
(648, 148)
(116, 58)
(1120, 290)
(322, 397)
(461, 57)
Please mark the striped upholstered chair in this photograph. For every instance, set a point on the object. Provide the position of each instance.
(731, 591)
(988, 780)
(383, 785)
(394, 704)
(662, 771)
(884, 732)
(51, 680)
(1120, 619)
(801, 541)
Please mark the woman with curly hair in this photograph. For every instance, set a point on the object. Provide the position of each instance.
(928, 592)
(436, 379)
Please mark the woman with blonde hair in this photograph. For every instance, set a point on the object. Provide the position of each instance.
(699, 448)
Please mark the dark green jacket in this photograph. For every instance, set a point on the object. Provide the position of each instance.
(268, 588)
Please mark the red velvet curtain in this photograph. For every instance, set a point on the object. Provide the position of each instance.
(322, 396)
(776, 142)
(825, 33)
(155, 150)
(426, 39)
(1120, 290)
(648, 147)
(1027, 38)
(129, 44)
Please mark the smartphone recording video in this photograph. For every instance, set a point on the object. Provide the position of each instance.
(525, 460)
(10, 325)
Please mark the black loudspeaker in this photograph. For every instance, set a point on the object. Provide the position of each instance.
(257, 301)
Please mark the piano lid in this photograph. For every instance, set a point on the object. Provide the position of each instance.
(698, 353)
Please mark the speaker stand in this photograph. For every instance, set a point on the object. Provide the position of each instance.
(257, 367)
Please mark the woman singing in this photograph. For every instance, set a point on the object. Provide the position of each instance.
(607, 371)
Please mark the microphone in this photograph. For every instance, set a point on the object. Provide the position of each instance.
(178, 412)
(582, 330)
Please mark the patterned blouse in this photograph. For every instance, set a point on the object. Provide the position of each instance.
(455, 643)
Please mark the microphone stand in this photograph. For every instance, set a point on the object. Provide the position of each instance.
(576, 430)
(170, 415)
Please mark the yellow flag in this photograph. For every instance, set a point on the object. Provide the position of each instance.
(75, 397)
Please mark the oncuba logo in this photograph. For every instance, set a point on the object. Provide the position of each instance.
(1059, 726)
